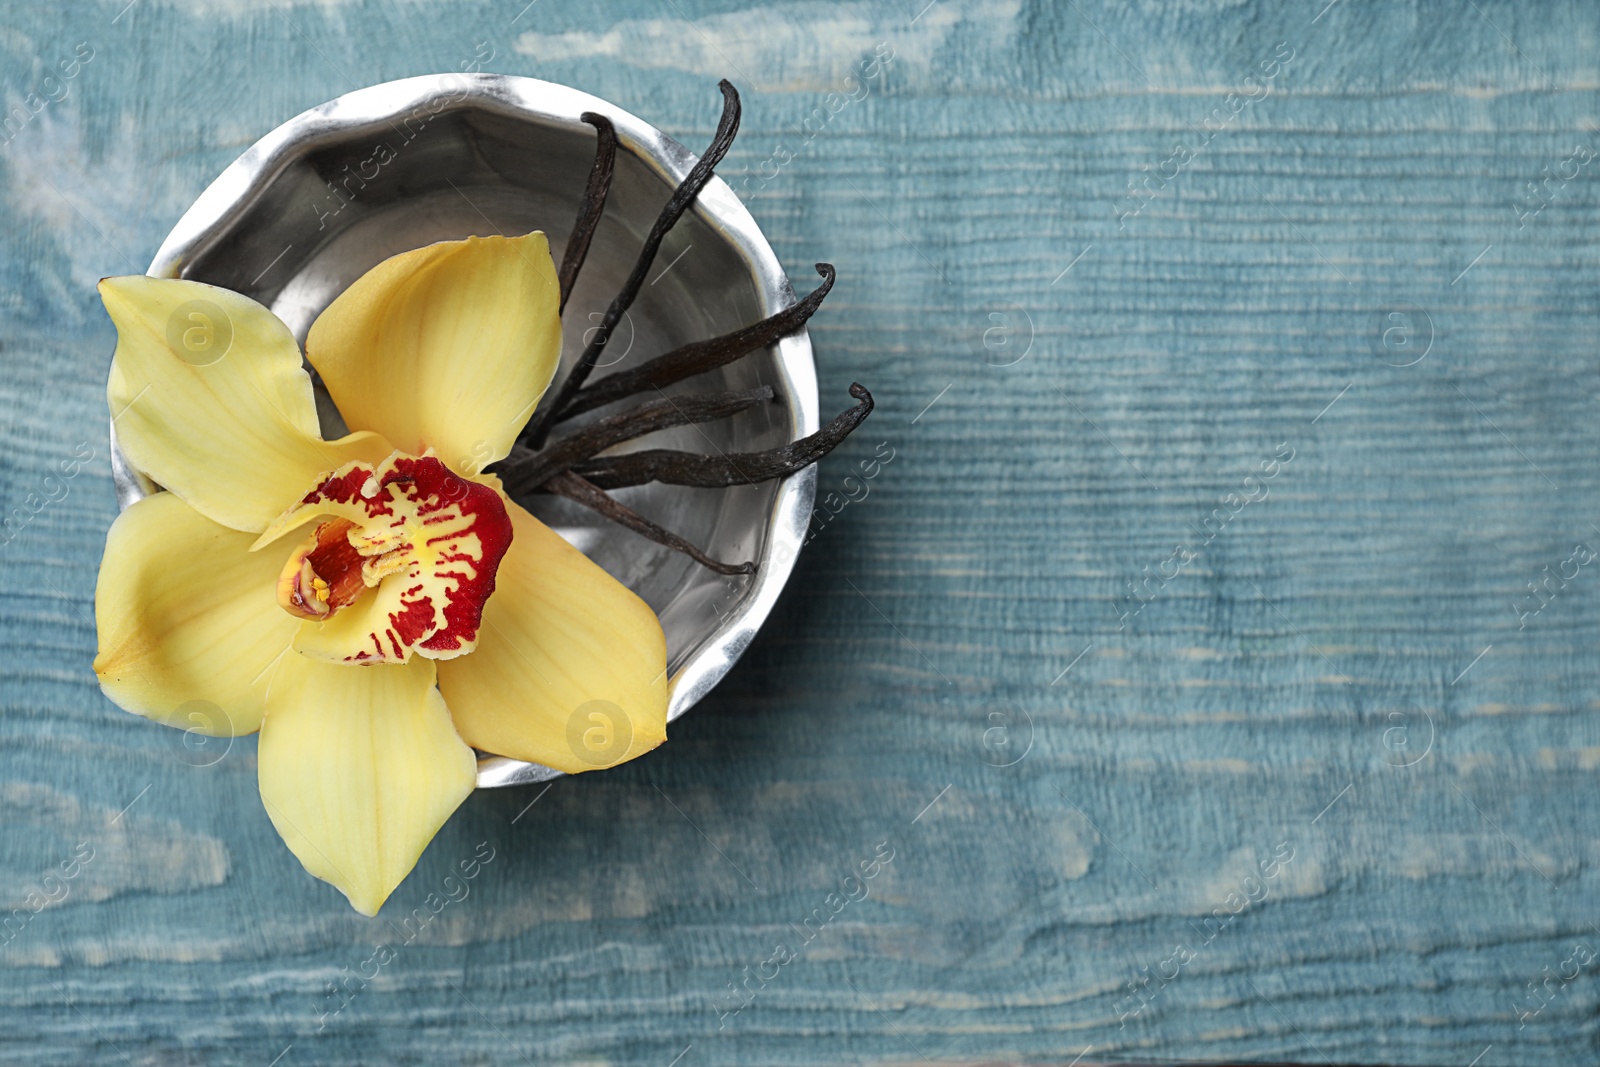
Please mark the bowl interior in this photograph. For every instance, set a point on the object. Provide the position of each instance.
(342, 195)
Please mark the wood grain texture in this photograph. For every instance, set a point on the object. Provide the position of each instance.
(1440, 875)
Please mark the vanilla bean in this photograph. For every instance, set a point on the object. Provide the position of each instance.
(682, 197)
(527, 474)
(737, 468)
(700, 356)
(591, 496)
(594, 202)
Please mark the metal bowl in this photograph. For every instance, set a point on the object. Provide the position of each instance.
(334, 191)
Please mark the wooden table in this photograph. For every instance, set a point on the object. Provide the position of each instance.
(1217, 655)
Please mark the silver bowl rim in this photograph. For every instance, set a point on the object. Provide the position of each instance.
(245, 180)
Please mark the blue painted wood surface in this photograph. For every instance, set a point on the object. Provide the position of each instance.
(1243, 483)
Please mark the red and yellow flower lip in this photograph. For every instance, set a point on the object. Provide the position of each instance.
(426, 539)
(423, 613)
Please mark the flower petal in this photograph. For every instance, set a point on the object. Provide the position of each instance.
(188, 619)
(209, 399)
(446, 347)
(359, 767)
(571, 666)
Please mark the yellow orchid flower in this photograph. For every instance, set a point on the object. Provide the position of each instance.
(418, 610)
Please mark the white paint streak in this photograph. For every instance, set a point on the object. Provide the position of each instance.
(798, 47)
(97, 211)
(131, 853)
